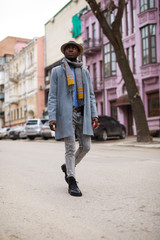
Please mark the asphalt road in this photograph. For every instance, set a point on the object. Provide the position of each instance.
(120, 186)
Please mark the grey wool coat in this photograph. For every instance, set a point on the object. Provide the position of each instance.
(60, 103)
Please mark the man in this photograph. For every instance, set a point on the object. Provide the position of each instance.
(72, 110)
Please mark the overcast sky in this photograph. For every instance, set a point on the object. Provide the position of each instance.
(26, 19)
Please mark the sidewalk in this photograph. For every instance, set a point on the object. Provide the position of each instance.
(131, 141)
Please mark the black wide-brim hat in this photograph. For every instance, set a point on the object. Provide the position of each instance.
(72, 43)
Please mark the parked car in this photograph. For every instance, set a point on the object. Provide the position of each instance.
(109, 127)
(46, 132)
(23, 134)
(14, 132)
(4, 133)
(33, 127)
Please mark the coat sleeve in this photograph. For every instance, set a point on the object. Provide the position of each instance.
(92, 97)
(52, 98)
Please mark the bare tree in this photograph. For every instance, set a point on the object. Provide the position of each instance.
(112, 32)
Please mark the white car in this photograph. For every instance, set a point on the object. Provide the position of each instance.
(23, 134)
(33, 127)
(46, 132)
(4, 132)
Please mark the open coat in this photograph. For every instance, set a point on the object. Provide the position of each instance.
(60, 103)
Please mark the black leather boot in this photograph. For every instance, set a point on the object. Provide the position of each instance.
(73, 188)
(63, 167)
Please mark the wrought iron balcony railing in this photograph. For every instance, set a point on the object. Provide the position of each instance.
(92, 45)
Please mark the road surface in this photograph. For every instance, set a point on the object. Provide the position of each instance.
(120, 186)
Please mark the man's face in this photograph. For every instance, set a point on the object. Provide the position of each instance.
(71, 52)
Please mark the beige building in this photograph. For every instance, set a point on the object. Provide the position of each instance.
(24, 84)
(63, 27)
(8, 47)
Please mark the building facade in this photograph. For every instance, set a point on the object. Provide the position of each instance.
(63, 27)
(24, 84)
(8, 47)
(141, 39)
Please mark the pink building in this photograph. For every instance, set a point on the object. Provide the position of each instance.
(141, 38)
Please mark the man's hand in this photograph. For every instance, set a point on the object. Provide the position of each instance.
(52, 125)
(94, 122)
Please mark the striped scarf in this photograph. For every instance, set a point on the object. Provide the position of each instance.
(70, 79)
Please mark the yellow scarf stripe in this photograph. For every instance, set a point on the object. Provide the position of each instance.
(79, 90)
(69, 75)
(80, 95)
(70, 79)
(71, 82)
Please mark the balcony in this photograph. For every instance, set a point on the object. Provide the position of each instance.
(150, 70)
(2, 106)
(149, 16)
(13, 78)
(92, 46)
(1, 96)
(98, 87)
(30, 70)
(13, 100)
(2, 78)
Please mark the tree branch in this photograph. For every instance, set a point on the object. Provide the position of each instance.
(118, 19)
(100, 16)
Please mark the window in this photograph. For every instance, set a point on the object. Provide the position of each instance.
(146, 4)
(17, 67)
(101, 71)
(46, 96)
(132, 17)
(109, 61)
(95, 75)
(148, 44)
(153, 104)
(87, 32)
(21, 112)
(134, 59)
(110, 18)
(127, 12)
(11, 115)
(94, 34)
(100, 33)
(17, 113)
(128, 55)
(31, 58)
(122, 27)
(14, 114)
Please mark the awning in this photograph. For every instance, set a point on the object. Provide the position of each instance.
(122, 101)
